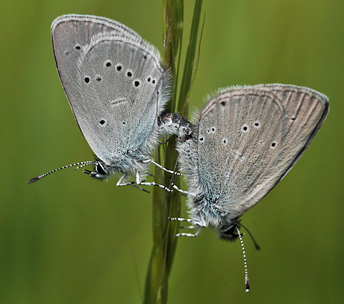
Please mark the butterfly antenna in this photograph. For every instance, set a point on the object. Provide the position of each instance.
(247, 283)
(253, 240)
(80, 165)
(83, 164)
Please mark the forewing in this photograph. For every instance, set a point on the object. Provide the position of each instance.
(251, 137)
(70, 33)
(305, 110)
(123, 88)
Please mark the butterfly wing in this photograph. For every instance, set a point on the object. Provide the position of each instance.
(70, 33)
(123, 89)
(305, 111)
(250, 137)
(97, 104)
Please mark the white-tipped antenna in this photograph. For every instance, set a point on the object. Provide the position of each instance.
(80, 165)
(247, 283)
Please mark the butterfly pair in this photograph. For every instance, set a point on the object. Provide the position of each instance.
(234, 152)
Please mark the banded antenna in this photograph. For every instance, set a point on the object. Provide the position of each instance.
(80, 165)
(247, 282)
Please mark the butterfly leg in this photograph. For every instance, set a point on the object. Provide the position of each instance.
(189, 234)
(161, 167)
(182, 191)
(193, 226)
(139, 182)
(120, 184)
(180, 219)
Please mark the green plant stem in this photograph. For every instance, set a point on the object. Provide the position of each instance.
(166, 204)
(189, 60)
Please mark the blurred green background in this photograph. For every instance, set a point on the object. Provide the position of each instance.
(71, 239)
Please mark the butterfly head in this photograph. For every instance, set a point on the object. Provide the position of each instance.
(228, 232)
(101, 170)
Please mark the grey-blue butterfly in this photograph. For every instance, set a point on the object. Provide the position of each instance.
(245, 140)
(116, 87)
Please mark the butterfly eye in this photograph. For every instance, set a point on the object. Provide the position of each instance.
(99, 168)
